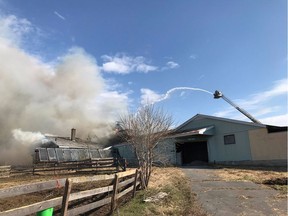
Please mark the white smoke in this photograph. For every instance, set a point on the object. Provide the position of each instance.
(50, 98)
(27, 137)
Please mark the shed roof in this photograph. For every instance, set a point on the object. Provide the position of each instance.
(66, 142)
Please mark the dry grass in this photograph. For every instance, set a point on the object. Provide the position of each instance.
(272, 177)
(179, 201)
(160, 176)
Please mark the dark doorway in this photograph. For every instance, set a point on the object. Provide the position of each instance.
(193, 151)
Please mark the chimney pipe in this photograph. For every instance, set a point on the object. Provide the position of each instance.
(73, 134)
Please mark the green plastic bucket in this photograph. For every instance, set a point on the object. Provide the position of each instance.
(46, 212)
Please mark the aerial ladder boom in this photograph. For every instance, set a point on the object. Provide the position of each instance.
(219, 94)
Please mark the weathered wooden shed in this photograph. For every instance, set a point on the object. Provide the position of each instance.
(221, 140)
(69, 149)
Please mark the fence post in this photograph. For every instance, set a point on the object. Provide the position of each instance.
(124, 164)
(66, 195)
(117, 164)
(141, 180)
(135, 183)
(115, 192)
(54, 168)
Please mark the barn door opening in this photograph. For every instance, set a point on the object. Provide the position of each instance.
(193, 152)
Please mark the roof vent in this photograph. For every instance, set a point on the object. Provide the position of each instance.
(73, 134)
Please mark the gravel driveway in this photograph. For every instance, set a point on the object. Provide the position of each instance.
(219, 197)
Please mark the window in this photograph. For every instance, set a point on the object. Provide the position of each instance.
(229, 139)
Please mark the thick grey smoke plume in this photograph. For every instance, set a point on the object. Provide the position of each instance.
(50, 98)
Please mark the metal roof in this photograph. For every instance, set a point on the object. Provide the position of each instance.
(201, 116)
(206, 131)
(66, 142)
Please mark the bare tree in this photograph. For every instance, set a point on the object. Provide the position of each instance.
(143, 130)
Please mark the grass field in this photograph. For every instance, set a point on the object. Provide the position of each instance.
(274, 177)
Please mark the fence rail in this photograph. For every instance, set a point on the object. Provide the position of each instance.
(100, 165)
(123, 183)
(5, 171)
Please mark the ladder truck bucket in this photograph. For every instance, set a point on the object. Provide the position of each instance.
(217, 94)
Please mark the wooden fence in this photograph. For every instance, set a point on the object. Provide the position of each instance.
(5, 171)
(123, 183)
(100, 165)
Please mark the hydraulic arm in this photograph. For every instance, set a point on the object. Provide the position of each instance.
(219, 94)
